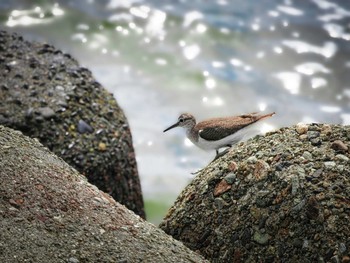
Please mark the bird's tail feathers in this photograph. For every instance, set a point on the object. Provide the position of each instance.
(265, 116)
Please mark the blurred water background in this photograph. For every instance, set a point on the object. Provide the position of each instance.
(211, 58)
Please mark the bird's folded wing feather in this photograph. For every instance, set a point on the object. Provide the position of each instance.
(219, 128)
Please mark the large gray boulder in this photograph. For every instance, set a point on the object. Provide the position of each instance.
(50, 213)
(47, 95)
(283, 197)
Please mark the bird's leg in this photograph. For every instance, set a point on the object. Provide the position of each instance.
(218, 154)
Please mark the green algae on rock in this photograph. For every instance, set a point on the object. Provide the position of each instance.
(50, 213)
(47, 95)
(284, 197)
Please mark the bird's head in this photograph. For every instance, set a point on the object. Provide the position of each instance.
(185, 120)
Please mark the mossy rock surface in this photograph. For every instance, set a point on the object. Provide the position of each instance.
(50, 213)
(283, 197)
(46, 94)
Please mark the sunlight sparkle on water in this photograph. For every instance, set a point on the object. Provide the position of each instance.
(155, 26)
(323, 4)
(115, 53)
(296, 34)
(290, 10)
(190, 52)
(83, 27)
(285, 23)
(132, 25)
(98, 40)
(338, 12)
(218, 101)
(201, 28)
(16, 13)
(273, 13)
(335, 16)
(236, 62)
(310, 68)
(327, 50)
(278, 50)
(210, 83)
(32, 16)
(57, 11)
(80, 37)
(119, 4)
(183, 159)
(23, 21)
(126, 69)
(330, 109)
(266, 128)
(222, 2)
(161, 61)
(182, 43)
(318, 83)
(262, 106)
(260, 54)
(217, 64)
(291, 81)
(225, 30)
(141, 11)
(192, 16)
(214, 102)
(255, 27)
(205, 73)
(247, 68)
(336, 31)
(120, 17)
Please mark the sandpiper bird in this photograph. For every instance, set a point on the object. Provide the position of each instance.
(216, 133)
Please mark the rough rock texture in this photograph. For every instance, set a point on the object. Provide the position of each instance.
(284, 197)
(45, 94)
(50, 213)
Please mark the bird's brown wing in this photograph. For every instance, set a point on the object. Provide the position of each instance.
(219, 128)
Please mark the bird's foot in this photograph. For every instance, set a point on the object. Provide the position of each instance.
(197, 172)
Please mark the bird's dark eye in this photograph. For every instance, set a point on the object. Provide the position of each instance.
(181, 120)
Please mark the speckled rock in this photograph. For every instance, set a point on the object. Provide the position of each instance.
(287, 200)
(50, 213)
(47, 95)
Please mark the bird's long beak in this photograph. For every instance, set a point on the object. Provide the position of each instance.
(172, 126)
